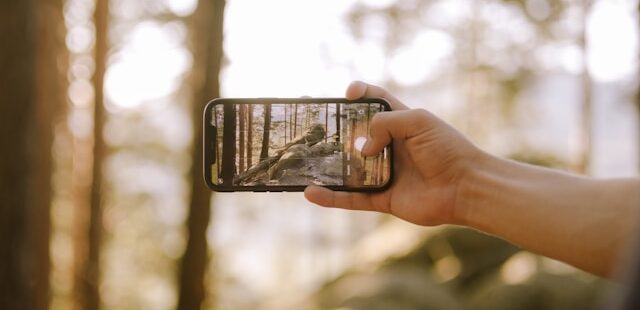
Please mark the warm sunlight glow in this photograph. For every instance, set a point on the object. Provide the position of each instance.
(148, 67)
(612, 40)
(519, 268)
(286, 55)
(421, 59)
(182, 7)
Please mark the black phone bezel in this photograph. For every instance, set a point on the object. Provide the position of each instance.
(207, 132)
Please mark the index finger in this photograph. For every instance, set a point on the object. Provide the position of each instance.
(359, 89)
(344, 200)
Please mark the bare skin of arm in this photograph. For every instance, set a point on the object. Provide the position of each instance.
(442, 178)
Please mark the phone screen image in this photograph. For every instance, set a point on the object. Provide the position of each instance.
(287, 144)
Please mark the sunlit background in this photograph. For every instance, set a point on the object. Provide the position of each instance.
(548, 82)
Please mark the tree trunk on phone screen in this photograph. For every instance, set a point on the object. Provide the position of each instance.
(32, 91)
(285, 123)
(206, 38)
(250, 136)
(295, 121)
(88, 278)
(264, 152)
(326, 122)
(229, 144)
(215, 122)
(338, 116)
(241, 123)
(290, 122)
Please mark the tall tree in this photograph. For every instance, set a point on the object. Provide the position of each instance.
(215, 123)
(33, 89)
(229, 144)
(264, 151)
(326, 121)
(286, 123)
(241, 123)
(338, 116)
(89, 279)
(295, 122)
(250, 136)
(206, 24)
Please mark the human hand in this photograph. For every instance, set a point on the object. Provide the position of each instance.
(431, 159)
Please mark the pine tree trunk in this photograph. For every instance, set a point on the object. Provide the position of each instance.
(215, 122)
(264, 152)
(229, 144)
(250, 137)
(338, 116)
(326, 122)
(206, 24)
(241, 123)
(295, 121)
(32, 91)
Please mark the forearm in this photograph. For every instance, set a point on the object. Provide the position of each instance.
(584, 222)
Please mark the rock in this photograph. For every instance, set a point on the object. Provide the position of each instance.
(323, 149)
(294, 157)
(312, 136)
(326, 170)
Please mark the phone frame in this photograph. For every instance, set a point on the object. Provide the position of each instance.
(208, 132)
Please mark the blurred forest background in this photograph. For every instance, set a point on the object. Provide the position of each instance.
(102, 202)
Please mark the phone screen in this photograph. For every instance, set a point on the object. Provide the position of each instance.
(287, 144)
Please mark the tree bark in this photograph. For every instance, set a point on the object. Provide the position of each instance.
(241, 123)
(338, 116)
(89, 279)
(326, 122)
(295, 121)
(264, 152)
(215, 122)
(229, 144)
(206, 23)
(32, 91)
(250, 137)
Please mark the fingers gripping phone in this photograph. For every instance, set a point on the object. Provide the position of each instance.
(277, 144)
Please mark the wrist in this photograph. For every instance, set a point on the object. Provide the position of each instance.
(478, 188)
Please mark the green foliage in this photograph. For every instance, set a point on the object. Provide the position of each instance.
(413, 281)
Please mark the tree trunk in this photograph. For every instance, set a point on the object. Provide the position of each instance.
(326, 122)
(264, 152)
(229, 144)
(89, 281)
(33, 89)
(250, 137)
(206, 38)
(338, 116)
(241, 123)
(285, 123)
(295, 121)
(215, 122)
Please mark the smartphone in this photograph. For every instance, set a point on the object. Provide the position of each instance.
(285, 144)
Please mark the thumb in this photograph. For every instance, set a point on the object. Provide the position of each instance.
(399, 125)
